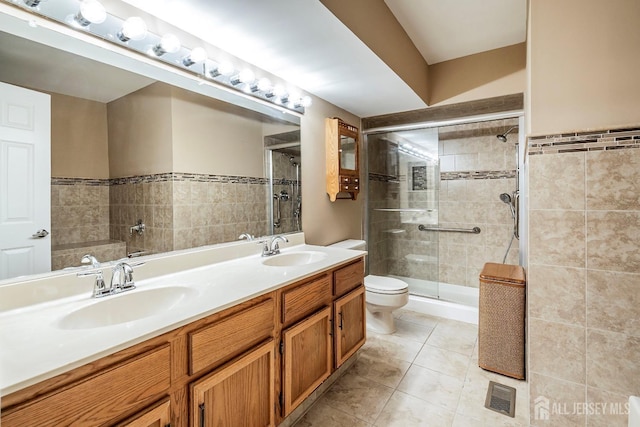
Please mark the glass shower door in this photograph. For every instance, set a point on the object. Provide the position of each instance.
(403, 193)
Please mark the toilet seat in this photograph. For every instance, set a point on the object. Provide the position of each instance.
(385, 285)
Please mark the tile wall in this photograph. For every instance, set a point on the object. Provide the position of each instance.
(183, 210)
(584, 277)
(79, 210)
(179, 211)
(475, 168)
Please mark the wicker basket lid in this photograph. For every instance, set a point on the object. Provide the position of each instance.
(503, 273)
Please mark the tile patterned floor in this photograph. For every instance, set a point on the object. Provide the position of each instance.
(425, 374)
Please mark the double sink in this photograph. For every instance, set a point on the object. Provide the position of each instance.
(142, 303)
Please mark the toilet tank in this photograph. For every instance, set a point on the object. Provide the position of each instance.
(359, 245)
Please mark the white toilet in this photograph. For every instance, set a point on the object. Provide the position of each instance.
(383, 294)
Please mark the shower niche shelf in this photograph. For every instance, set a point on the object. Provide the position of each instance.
(343, 160)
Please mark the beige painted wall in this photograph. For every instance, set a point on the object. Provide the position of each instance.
(140, 132)
(483, 75)
(325, 222)
(585, 57)
(210, 138)
(79, 144)
(373, 23)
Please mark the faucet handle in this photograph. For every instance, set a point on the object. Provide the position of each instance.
(90, 259)
(99, 287)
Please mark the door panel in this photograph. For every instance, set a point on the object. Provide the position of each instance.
(25, 181)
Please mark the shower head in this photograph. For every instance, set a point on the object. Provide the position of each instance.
(503, 137)
(506, 198)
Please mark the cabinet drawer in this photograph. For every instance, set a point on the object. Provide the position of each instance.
(305, 299)
(348, 278)
(349, 187)
(217, 343)
(101, 398)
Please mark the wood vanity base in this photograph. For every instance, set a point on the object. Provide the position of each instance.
(249, 365)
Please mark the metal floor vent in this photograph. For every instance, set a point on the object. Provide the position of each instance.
(501, 398)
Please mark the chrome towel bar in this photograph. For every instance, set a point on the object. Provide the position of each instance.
(474, 230)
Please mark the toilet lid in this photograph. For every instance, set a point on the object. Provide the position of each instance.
(385, 285)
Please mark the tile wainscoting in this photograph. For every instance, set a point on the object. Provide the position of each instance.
(584, 275)
(180, 210)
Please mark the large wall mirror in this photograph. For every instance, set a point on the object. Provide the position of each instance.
(141, 166)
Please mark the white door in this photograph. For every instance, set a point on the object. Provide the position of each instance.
(25, 181)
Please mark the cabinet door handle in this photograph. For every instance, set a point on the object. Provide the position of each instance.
(340, 324)
(201, 406)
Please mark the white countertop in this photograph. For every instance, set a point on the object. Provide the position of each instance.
(34, 348)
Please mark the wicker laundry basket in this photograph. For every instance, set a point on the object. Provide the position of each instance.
(501, 328)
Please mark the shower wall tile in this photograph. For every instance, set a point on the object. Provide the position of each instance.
(612, 241)
(612, 364)
(557, 350)
(557, 294)
(614, 414)
(79, 213)
(613, 180)
(549, 396)
(557, 237)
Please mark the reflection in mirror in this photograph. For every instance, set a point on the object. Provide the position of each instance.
(347, 152)
(139, 166)
(283, 154)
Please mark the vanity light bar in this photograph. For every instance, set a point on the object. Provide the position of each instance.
(89, 16)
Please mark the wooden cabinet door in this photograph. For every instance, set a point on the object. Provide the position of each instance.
(240, 393)
(349, 325)
(306, 357)
(158, 416)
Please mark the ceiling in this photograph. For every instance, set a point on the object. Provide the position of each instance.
(33, 65)
(302, 42)
(448, 29)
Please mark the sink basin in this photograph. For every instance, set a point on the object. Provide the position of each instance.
(125, 307)
(294, 258)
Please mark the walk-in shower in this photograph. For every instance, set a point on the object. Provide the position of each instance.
(431, 187)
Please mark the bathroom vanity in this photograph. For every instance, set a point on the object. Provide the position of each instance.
(243, 341)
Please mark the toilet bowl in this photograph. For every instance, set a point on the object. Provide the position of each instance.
(383, 295)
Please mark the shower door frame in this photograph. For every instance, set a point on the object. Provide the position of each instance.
(521, 167)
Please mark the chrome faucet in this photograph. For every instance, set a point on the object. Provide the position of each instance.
(122, 278)
(272, 247)
(246, 236)
(99, 287)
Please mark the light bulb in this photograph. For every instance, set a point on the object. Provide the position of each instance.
(91, 12)
(226, 68)
(279, 92)
(306, 101)
(168, 44)
(133, 28)
(198, 54)
(264, 84)
(245, 76)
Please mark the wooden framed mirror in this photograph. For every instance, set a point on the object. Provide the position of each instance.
(343, 159)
